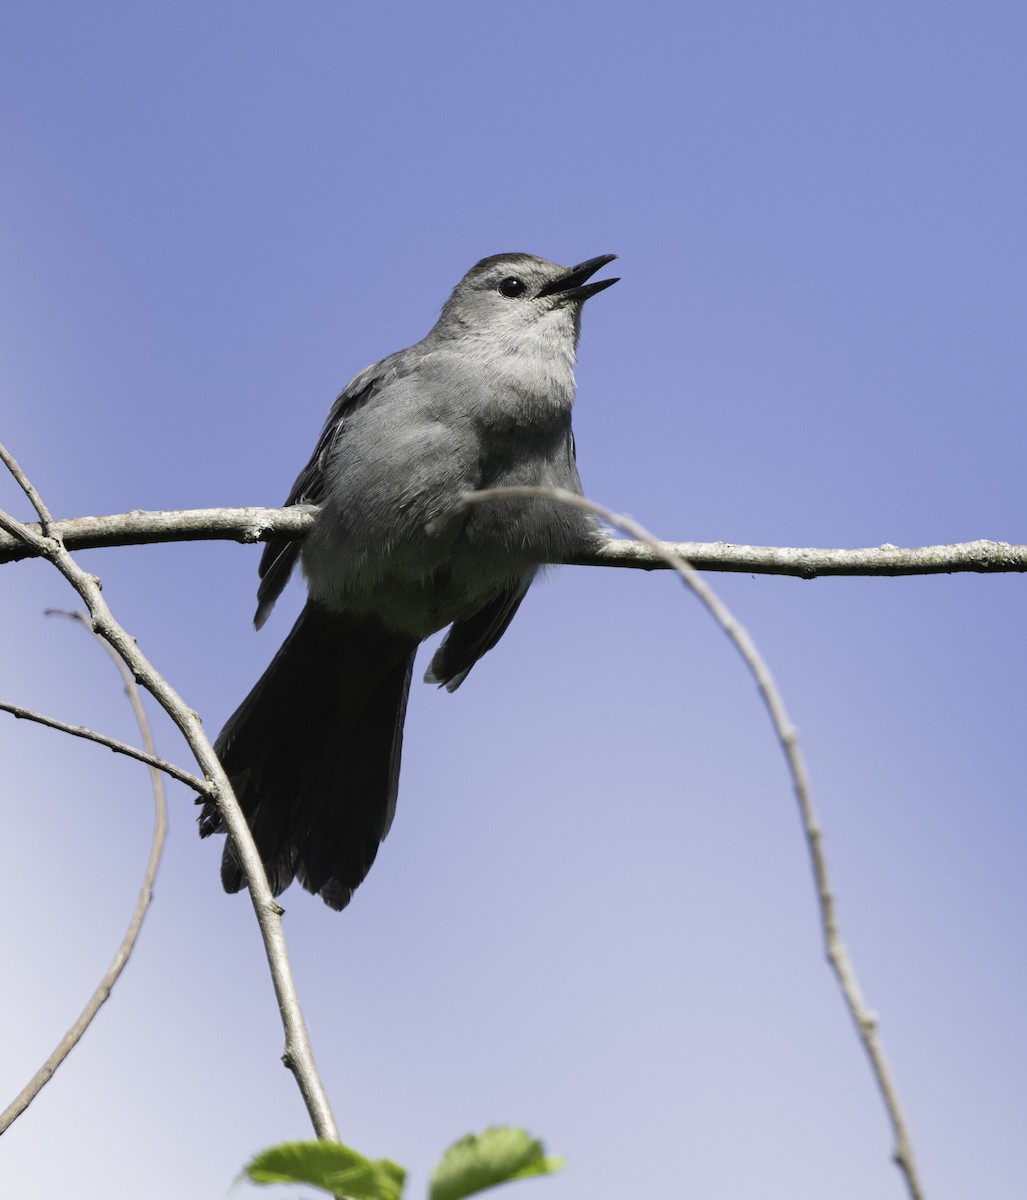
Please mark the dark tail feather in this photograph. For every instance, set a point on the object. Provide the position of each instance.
(313, 755)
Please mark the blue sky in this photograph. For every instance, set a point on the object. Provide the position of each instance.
(593, 916)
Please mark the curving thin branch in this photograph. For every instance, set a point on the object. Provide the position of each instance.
(297, 1055)
(837, 954)
(101, 739)
(287, 524)
(103, 990)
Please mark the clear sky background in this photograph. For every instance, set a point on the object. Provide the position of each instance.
(594, 915)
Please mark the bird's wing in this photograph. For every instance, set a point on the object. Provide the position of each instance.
(469, 639)
(279, 558)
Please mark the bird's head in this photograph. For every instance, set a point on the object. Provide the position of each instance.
(521, 303)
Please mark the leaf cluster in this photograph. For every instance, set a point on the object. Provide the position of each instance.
(473, 1164)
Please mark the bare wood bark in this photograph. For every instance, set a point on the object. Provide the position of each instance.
(837, 954)
(297, 1055)
(252, 525)
(284, 524)
(101, 739)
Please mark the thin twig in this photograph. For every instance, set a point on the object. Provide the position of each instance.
(22, 480)
(297, 1054)
(288, 524)
(837, 954)
(101, 739)
(103, 990)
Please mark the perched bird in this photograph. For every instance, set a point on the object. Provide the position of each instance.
(483, 401)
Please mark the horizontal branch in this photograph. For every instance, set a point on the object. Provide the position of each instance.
(285, 524)
(982, 557)
(139, 528)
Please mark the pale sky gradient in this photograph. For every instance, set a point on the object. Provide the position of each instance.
(594, 915)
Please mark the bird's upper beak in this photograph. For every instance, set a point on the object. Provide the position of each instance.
(572, 286)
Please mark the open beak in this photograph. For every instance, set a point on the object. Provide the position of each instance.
(572, 286)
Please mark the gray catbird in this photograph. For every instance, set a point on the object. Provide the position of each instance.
(483, 401)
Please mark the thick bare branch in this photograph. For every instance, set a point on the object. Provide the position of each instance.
(185, 525)
(982, 557)
(837, 954)
(278, 524)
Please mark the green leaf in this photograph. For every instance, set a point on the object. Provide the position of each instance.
(328, 1165)
(484, 1160)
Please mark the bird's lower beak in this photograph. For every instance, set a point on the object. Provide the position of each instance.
(572, 286)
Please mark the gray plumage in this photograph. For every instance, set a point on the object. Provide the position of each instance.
(483, 401)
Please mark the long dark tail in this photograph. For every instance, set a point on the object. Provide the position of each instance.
(313, 755)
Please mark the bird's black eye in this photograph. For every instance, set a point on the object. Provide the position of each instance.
(511, 286)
